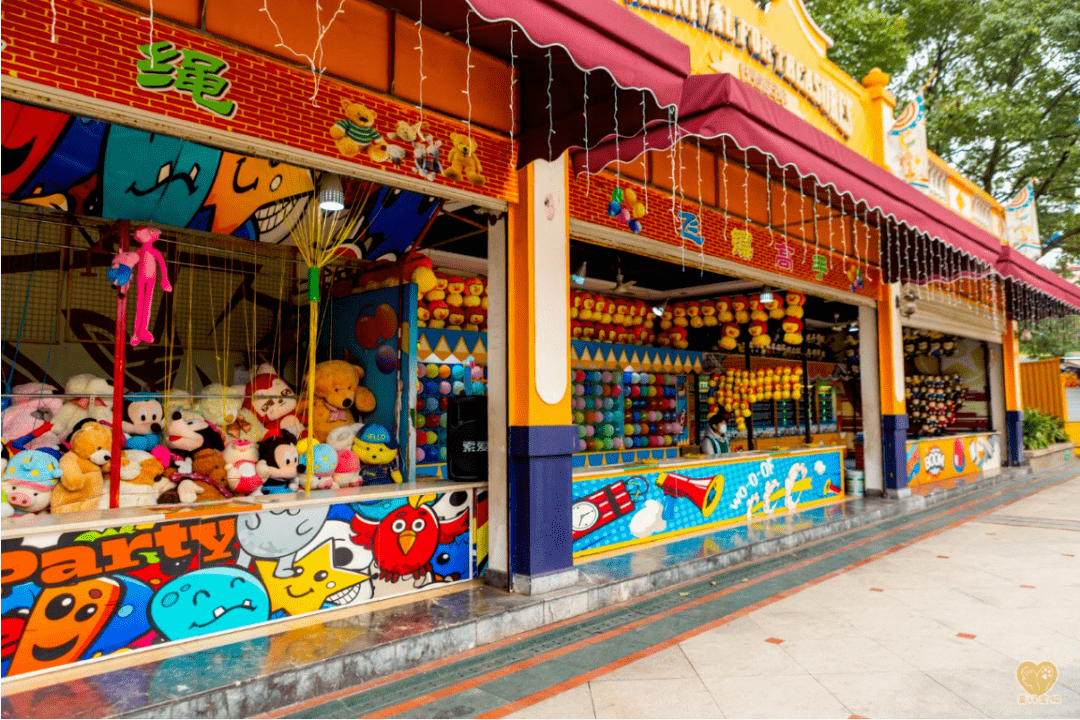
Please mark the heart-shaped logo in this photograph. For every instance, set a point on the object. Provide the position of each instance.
(1037, 679)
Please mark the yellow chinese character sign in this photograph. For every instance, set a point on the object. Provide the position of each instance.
(742, 244)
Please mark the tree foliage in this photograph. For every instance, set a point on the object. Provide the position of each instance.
(1054, 337)
(1004, 104)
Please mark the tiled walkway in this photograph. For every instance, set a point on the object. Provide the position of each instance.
(923, 615)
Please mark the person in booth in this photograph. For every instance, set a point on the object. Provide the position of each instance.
(714, 441)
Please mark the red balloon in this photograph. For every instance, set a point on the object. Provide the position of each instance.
(366, 333)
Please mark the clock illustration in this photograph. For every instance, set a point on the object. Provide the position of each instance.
(585, 515)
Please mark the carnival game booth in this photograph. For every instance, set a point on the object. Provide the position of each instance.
(173, 453)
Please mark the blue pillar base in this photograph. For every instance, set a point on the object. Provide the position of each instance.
(1014, 434)
(540, 499)
(894, 451)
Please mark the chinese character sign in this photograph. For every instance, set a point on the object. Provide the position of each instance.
(742, 244)
(905, 146)
(820, 266)
(690, 228)
(1022, 222)
(197, 74)
(784, 256)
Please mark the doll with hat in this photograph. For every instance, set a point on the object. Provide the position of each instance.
(377, 450)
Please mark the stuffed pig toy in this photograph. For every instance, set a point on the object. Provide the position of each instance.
(29, 479)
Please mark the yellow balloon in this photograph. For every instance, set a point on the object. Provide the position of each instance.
(629, 196)
(638, 211)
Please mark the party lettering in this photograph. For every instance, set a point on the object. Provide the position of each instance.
(211, 540)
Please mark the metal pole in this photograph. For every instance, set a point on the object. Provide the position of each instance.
(119, 350)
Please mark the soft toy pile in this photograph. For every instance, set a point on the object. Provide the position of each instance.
(927, 342)
(454, 303)
(229, 441)
(932, 402)
(735, 391)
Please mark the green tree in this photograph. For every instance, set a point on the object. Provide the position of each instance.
(1004, 102)
(1055, 337)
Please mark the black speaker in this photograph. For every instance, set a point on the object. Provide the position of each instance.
(466, 438)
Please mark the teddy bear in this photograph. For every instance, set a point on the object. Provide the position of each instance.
(337, 393)
(406, 133)
(141, 480)
(223, 406)
(207, 481)
(278, 462)
(324, 460)
(241, 467)
(27, 422)
(357, 130)
(378, 453)
(82, 479)
(29, 479)
(89, 397)
(461, 162)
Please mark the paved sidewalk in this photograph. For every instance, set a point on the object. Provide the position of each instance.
(935, 629)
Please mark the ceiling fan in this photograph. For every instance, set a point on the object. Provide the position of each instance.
(620, 284)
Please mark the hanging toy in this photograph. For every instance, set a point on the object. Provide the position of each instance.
(121, 270)
(149, 260)
(626, 209)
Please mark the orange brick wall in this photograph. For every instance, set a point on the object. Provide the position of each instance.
(660, 225)
(97, 48)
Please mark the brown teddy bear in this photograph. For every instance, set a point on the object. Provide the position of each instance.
(337, 393)
(82, 482)
(461, 161)
(206, 482)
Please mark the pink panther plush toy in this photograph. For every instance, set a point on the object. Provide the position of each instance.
(146, 277)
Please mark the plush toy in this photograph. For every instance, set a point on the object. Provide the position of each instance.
(186, 434)
(795, 301)
(708, 313)
(640, 310)
(792, 328)
(456, 319)
(324, 460)
(223, 406)
(588, 331)
(575, 304)
(739, 305)
(88, 397)
(415, 268)
(730, 336)
(757, 309)
(357, 130)
(122, 269)
(347, 472)
(422, 314)
(27, 421)
(461, 162)
(588, 302)
(150, 259)
(241, 459)
(476, 319)
(474, 292)
(341, 438)
(140, 480)
(603, 310)
(723, 310)
(272, 402)
(83, 467)
(693, 314)
(338, 391)
(278, 462)
(759, 334)
(143, 416)
(378, 453)
(29, 480)
(205, 483)
(455, 291)
(6, 509)
(678, 338)
(439, 312)
(775, 307)
(439, 291)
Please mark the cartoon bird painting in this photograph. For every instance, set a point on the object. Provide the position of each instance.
(404, 541)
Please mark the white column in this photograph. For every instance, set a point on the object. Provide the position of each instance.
(497, 393)
(871, 392)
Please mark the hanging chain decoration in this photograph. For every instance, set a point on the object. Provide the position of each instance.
(700, 204)
(644, 157)
(724, 181)
(618, 153)
(52, 29)
(420, 47)
(513, 118)
(468, 71)
(149, 18)
(768, 203)
(817, 237)
(315, 58)
(585, 117)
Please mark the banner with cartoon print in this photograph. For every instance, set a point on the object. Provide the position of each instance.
(946, 458)
(74, 596)
(641, 505)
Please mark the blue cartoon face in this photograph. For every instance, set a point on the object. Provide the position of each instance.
(154, 178)
(451, 560)
(208, 601)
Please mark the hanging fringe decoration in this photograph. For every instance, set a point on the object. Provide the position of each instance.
(468, 72)
(550, 108)
(420, 47)
(513, 118)
(585, 117)
(315, 59)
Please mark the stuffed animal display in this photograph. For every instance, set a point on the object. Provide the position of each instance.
(454, 302)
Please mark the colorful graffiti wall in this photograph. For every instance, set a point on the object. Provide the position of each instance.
(635, 506)
(75, 596)
(935, 460)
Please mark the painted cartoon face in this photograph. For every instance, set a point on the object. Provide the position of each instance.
(29, 134)
(155, 178)
(693, 309)
(67, 175)
(790, 325)
(317, 582)
(207, 601)
(268, 194)
(451, 560)
(64, 622)
(601, 303)
(277, 533)
(274, 402)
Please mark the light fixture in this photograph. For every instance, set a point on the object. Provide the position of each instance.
(578, 278)
(331, 195)
(658, 310)
(1025, 334)
(765, 296)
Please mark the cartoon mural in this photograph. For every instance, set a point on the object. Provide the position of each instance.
(75, 596)
(936, 461)
(618, 509)
(95, 168)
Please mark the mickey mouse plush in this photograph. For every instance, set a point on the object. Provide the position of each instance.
(143, 415)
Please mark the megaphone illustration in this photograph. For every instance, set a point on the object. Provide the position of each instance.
(703, 492)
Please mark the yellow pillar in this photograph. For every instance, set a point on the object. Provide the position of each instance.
(1014, 408)
(882, 105)
(894, 420)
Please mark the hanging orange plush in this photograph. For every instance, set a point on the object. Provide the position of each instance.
(759, 332)
(795, 301)
(731, 334)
